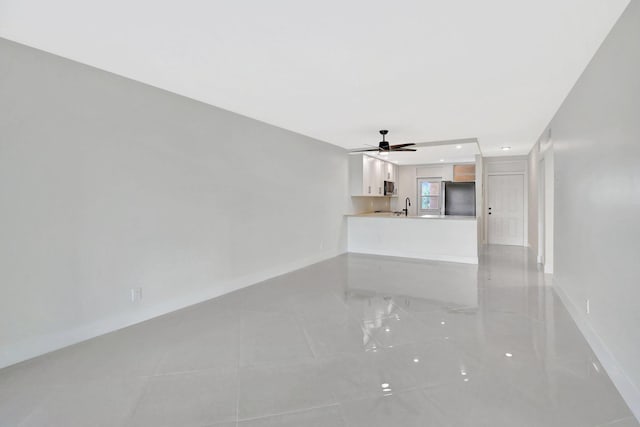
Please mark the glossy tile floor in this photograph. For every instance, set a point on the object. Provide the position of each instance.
(354, 341)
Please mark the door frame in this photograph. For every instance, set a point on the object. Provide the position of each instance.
(541, 211)
(548, 179)
(525, 205)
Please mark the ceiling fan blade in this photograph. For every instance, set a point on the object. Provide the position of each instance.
(403, 149)
(362, 151)
(401, 145)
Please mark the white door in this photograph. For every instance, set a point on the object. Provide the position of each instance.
(505, 210)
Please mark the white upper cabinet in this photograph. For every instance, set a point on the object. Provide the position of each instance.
(376, 180)
(390, 172)
(395, 177)
(367, 175)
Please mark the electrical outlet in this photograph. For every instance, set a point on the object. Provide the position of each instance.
(136, 294)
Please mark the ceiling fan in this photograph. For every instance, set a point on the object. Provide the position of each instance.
(384, 146)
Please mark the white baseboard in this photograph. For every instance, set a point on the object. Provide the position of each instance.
(27, 349)
(435, 257)
(628, 390)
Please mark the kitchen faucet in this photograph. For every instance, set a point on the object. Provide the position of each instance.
(407, 203)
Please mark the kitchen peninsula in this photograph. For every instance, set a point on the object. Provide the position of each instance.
(433, 237)
(435, 205)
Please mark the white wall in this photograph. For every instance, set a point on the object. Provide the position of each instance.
(407, 183)
(107, 184)
(541, 200)
(480, 198)
(549, 208)
(596, 149)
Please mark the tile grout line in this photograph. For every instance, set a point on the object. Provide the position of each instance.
(295, 411)
(301, 325)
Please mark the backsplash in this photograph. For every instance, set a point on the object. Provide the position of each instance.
(369, 204)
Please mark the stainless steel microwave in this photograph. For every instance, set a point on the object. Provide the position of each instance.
(389, 188)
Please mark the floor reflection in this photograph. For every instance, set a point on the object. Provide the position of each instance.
(356, 340)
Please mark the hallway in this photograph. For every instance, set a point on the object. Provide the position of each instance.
(356, 340)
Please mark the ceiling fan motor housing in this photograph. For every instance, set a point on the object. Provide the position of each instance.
(384, 145)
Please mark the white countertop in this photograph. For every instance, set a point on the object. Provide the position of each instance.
(392, 215)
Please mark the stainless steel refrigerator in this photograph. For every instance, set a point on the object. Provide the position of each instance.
(459, 198)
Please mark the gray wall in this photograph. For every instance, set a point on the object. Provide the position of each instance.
(107, 184)
(596, 140)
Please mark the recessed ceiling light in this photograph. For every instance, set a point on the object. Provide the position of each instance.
(416, 360)
(508, 354)
(384, 385)
(458, 147)
(387, 329)
(505, 148)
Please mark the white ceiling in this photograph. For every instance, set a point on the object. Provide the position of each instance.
(340, 70)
